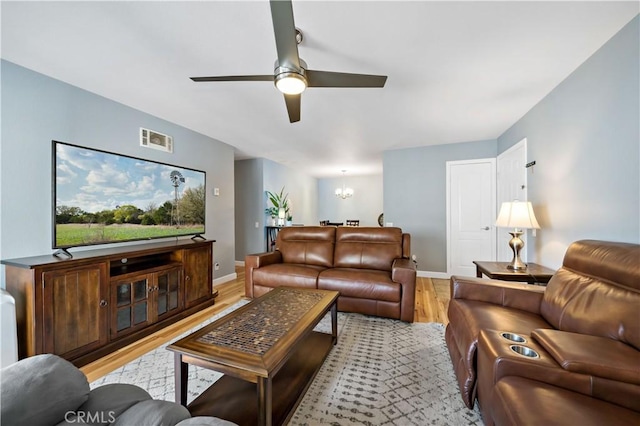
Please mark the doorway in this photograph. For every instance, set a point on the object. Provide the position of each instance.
(471, 214)
(511, 185)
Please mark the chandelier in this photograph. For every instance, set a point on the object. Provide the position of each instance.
(344, 192)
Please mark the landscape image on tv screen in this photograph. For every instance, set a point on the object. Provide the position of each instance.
(101, 197)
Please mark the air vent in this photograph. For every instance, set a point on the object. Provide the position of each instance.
(156, 140)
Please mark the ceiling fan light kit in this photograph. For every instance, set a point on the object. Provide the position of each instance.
(291, 83)
(291, 75)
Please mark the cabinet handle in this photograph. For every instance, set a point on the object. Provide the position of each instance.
(187, 278)
(103, 303)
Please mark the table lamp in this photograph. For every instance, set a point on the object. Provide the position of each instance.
(517, 215)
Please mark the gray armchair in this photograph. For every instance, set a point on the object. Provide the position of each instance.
(46, 390)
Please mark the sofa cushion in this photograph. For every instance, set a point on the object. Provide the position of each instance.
(361, 284)
(519, 401)
(310, 245)
(287, 275)
(367, 248)
(44, 398)
(106, 403)
(153, 413)
(596, 279)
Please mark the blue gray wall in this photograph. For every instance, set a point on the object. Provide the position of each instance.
(302, 190)
(585, 139)
(311, 200)
(253, 178)
(415, 195)
(365, 205)
(249, 184)
(37, 109)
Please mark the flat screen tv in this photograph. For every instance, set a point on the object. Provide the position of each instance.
(102, 197)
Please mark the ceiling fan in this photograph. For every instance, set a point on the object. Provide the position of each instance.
(291, 75)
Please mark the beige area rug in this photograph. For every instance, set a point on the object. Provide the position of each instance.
(381, 372)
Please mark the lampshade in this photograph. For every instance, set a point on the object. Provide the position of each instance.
(518, 215)
(291, 83)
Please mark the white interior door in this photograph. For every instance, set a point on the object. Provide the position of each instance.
(471, 214)
(511, 185)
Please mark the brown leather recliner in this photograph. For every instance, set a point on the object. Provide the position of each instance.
(584, 329)
(370, 267)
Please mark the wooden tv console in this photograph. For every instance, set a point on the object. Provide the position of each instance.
(87, 306)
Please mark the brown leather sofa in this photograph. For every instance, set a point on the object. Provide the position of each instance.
(370, 267)
(578, 341)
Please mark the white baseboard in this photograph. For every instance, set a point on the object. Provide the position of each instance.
(431, 274)
(225, 279)
(239, 262)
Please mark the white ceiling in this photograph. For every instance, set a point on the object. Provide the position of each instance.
(458, 71)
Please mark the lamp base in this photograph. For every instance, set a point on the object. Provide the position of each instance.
(516, 245)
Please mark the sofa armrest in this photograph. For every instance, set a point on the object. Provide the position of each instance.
(40, 390)
(403, 271)
(591, 355)
(255, 261)
(263, 259)
(503, 293)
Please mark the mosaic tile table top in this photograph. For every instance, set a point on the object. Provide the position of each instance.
(258, 335)
(263, 324)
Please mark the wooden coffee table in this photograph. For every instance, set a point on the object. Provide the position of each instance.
(267, 351)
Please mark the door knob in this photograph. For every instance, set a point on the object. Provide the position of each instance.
(486, 228)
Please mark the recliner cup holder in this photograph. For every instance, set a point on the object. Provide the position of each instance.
(513, 337)
(524, 351)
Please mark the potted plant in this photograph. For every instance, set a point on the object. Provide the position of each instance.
(279, 206)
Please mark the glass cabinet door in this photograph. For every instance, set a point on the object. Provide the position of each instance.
(131, 305)
(168, 291)
(143, 299)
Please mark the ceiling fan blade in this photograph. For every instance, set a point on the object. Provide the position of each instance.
(341, 79)
(285, 31)
(235, 78)
(293, 107)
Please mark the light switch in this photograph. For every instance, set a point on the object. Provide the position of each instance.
(216, 191)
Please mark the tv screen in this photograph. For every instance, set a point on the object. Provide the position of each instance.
(101, 197)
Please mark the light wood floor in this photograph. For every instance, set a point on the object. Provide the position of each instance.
(432, 300)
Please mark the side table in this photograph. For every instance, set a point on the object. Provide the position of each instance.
(534, 274)
(272, 234)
